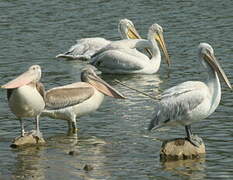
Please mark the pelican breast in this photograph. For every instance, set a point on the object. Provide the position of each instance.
(25, 101)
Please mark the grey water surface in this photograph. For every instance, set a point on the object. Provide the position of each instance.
(114, 139)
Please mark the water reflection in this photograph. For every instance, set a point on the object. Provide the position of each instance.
(63, 141)
(52, 26)
(193, 168)
(94, 156)
(87, 151)
(135, 80)
(29, 163)
(147, 83)
(43, 162)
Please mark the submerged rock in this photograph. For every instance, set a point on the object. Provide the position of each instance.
(73, 153)
(27, 139)
(88, 167)
(180, 148)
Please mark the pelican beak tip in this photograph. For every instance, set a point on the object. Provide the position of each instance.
(122, 97)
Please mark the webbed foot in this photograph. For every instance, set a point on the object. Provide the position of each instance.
(36, 134)
(195, 140)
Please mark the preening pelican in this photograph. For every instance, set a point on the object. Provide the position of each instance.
(192, 101)
(75, 100)
(86, 47)
(121, 57)
(25, 96)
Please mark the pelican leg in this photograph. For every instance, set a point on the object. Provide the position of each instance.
(72, 126)
(188, 131)
(22, 127)
(193, 139)
(37, 132)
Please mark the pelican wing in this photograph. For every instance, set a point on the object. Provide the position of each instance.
(122, 59)
(88, 44)
(75, 51)
(94, 42)
(188, 86)
(40, 89)
(85, 48)
(177, 103)
(66, 96)
(78, 49)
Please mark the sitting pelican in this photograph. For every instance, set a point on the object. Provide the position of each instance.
(192, 101)
(121, 57)
(25, 95)
(86, 47)
(78, 99)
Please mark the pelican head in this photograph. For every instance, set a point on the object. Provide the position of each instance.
(88, 75)
(32, 75)
(156, 31)
(127, 30)
(35, 69)
(88, 72)
(207, 58)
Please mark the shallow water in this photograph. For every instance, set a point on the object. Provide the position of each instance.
(114, 139)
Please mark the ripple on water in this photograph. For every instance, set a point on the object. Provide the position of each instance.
(35, 32)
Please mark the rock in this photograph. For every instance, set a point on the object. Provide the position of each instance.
(27, 139)
(88, 167)
(73, 153)
(180, 148)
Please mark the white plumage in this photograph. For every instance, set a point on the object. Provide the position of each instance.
(192, 101)
(86, 47)
(78, 99)
(26, 96)
(121, 57)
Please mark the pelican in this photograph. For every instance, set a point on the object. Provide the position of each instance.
(86, 47)
(25, 95)
(192, 101)
(121, 57)
(78, 99)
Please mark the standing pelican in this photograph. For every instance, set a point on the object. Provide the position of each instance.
(192, 101)
(75, 100)
(25, 96)
(86, 47)
(121, 57)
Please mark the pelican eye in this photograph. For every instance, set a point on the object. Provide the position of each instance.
(207, 51)
(98, 63)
